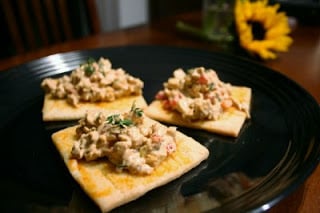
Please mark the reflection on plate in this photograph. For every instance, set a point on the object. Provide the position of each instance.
(275, 152)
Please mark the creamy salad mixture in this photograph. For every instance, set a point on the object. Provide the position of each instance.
(126, 140)
(93, 81)
(197, 94)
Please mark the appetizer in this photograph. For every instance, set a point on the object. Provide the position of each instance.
(117, 158)
(199, 99)
(94, 85)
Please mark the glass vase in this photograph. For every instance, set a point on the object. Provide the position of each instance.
(217, 19)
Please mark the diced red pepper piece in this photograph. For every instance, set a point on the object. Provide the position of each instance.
(161, 95)
(156, 138)
(203, 79)
(166, 104)
(225, 104)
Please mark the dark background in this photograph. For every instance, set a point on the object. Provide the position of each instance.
(306, 12)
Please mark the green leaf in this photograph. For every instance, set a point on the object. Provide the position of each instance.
(211, 86)
(112, 119)
(117, 121)
(122, 166)
(137, 111)
(88, 66)
(125, 122)
(91, 60)
(88, 69)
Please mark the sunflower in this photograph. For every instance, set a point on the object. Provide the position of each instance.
(261, 28)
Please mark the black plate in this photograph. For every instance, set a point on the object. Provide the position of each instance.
(276, 151)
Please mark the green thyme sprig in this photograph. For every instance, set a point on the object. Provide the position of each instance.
(211, 86)
(117, 121)
(88, 66)
(122, 166)
(136, 110)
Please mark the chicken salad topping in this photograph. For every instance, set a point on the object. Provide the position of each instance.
(126, 140)
(93, 81)
(198, 94)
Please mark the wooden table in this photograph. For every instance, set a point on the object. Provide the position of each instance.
(301, 64)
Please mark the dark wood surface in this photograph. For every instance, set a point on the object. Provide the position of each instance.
(34, 24)
(301, 64)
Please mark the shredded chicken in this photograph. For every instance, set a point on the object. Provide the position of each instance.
(197, 94)
(93, 82)
(126, 140)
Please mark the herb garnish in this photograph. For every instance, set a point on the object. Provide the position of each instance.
(122, 166)
(137, 111)
(88, 67)
(116, 120)
(211, 86)
(218, 97)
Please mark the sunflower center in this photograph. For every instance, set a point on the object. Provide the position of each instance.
(258, 30)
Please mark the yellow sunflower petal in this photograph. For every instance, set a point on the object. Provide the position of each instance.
(262, 48)
(282, 44)
(275, 25)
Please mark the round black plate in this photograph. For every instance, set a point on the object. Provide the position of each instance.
(277, 149)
